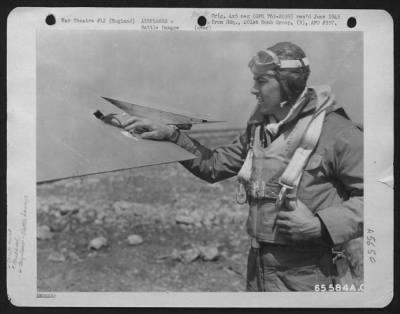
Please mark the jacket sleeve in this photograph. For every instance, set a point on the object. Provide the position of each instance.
(345, 221)
(217, 164)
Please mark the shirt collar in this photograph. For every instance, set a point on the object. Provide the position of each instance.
(273, 125)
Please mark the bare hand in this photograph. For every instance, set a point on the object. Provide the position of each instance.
(298, 223)
(147, 129)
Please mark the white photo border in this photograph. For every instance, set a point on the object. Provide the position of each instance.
(23, 23)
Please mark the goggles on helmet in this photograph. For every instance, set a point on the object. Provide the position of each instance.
(267, 60)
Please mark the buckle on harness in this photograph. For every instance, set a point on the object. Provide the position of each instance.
(282, 194)
(254, 243)
(241, 194)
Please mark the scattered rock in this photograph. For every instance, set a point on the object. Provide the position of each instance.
(235, 243)
(237, 283)
(226, 198)
(208, 224)
(190, 255)
(233, 269)
(236, 257)
(56, 257)
(98, 243)
(121, 206)
(98, 221)
(210, 216)
(67, 209)
(74, 256)
(109, 219)
(44, 233)
(224, 253)
(59, 224)
(197, 216)
(185, 256)
(175, 254)
(209, 253)
(187, 227)
(93, 253)
(54, 210)
(184, 219)
(134, 239)
(122, 224)
(165, 256)
(87, 216)
(43, 208)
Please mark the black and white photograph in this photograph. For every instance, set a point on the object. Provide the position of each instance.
(202, 160)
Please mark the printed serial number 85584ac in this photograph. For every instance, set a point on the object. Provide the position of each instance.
(339, 288)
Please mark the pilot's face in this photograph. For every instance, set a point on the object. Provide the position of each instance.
(267, 91)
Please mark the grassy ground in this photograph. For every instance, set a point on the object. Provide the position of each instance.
(144, 202)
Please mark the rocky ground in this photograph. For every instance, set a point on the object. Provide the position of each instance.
(150, 229)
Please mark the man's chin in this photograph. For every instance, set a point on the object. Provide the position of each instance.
(263, 110)
(260, 107)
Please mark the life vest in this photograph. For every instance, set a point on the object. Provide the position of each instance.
(268, 163)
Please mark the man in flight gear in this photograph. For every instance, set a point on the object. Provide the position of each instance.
(300, 169)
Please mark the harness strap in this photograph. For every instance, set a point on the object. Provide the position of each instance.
(290, 178)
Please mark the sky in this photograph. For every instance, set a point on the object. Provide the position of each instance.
(186, 72)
